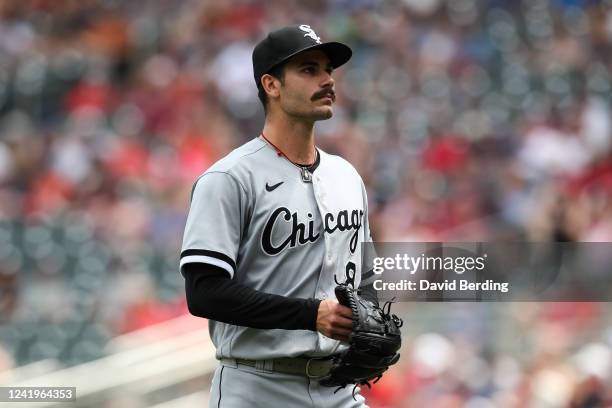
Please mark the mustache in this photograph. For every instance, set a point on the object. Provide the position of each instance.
(323, 93)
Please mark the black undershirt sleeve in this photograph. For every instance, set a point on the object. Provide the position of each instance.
(213, 295)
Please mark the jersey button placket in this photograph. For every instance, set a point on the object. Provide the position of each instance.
(327, 270)
(319, 194)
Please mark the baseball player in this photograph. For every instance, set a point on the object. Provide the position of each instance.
(271, 228)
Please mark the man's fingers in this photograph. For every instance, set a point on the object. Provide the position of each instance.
(344, 322)
(340, 334)
(343, 332)
(344, 311)
(335, 320)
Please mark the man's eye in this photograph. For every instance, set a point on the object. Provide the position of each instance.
(309, 70)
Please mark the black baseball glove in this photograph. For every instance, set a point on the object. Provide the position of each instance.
(374, 342)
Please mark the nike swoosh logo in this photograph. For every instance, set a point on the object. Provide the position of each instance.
(272, 188)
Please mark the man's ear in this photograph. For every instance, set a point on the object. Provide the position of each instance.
(271, 85)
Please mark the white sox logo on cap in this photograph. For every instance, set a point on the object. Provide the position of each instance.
(310, 33)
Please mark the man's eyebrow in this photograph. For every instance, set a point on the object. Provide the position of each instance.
(315, 63)
(308, 62)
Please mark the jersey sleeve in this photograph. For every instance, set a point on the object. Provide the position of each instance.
(215, 222)
(367, 274)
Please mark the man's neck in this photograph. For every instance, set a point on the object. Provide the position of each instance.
(294, 138)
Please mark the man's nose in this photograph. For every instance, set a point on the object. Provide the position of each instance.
(328, 80)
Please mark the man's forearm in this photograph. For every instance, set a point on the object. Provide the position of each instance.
(213, 295)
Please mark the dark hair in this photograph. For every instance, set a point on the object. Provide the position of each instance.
(277, 71)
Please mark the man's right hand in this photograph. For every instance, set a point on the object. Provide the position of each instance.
(334, 320)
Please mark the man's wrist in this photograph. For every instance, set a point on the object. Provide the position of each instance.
(313, 306)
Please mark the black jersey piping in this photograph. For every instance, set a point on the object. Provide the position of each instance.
(213, 254)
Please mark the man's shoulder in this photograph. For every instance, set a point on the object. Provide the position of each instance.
(236, 166)
(240, 157)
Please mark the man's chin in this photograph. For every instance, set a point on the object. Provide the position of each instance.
(324, 113)
(319, 113)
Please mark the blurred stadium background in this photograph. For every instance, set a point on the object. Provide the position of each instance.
(468, 120)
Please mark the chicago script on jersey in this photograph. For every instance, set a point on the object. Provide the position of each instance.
(304, 233)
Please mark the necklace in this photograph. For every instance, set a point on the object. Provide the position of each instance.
(305, 171)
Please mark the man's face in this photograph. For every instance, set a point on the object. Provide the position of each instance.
(308, 89)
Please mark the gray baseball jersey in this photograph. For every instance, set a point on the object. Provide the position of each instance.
(252, 215)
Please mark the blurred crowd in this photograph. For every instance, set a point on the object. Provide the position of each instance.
(468, 120)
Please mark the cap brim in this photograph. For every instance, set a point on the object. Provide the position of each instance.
(338, 53)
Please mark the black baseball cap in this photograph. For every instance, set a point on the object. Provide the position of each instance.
(284, 43)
